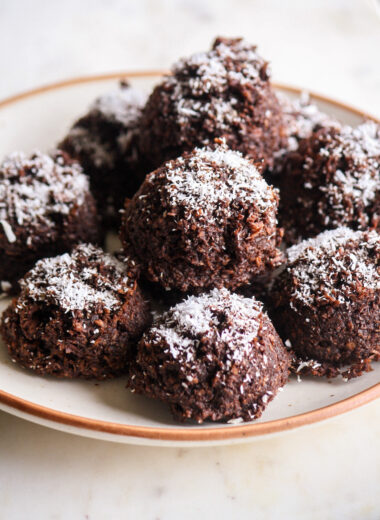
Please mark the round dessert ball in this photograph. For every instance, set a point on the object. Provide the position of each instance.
(104, 142)
(302, 117)
(326, 304)
(222, 93)
(212, 357)
(78, 315)
(46, 208)
(206, 219)
(332, 180)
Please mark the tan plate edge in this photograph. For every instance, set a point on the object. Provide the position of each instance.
(76, 81)
(175, 434)
(206, 434)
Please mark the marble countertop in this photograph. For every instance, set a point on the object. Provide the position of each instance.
(330, 46)
(329, 470)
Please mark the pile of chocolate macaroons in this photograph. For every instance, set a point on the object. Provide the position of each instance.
(251, 217)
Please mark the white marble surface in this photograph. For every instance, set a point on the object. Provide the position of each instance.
(326, 471)
(331, 46)
(330, 471)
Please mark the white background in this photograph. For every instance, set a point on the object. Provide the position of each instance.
(327, 45)
(327, 471)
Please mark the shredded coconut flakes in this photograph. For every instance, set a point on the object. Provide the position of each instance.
(52, 187)
(209, 74)
(195, 182)
(220, 314)
(324, 272)
(303, 117)
(122, 105)
(360, 180)
(76, 284)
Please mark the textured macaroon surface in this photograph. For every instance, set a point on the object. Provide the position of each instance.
(332, 180)
(215, 357)
(104, 141)
(224, 92)
(302, 117)
(81, 281)
(77, 315)
(45, 208)
(205, 219)
(327, 301)
(33, 190)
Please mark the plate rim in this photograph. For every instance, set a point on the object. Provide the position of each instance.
(180, 433)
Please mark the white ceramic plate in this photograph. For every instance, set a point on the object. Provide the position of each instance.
(106, 410)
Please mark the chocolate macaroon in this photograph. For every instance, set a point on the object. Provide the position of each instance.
(46, 208)
(78, 315)
(206, 219)
(326, 303)
(332, 180)
(223, 93)
(302, 117)
(104, 142)
(212, 357)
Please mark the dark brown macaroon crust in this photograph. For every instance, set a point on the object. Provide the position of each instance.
(104, 142)
(222, 93)
(46, 208)
(302, 118)
(332, 180)
(326, 304)
(204, 220)
(77, 315)
(212, 357)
